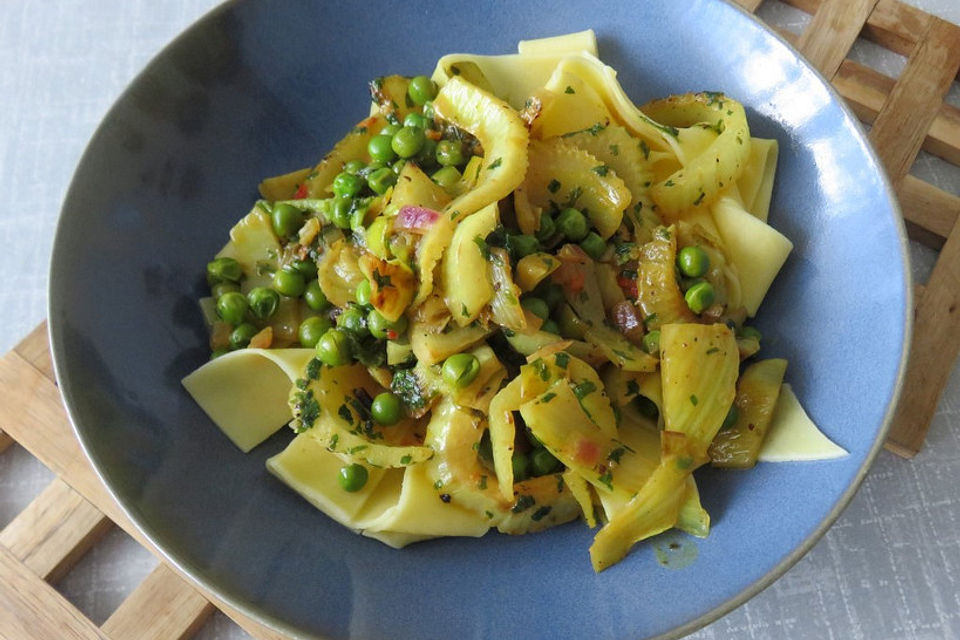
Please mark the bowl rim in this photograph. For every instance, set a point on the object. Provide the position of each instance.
(269, 620)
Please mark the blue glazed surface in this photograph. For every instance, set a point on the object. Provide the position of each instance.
(263, 87)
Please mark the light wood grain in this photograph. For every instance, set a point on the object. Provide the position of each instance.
(54, 531)
(834, 28)
(936, 344)
(866, 90)
(750, 5)
(902, 124)
(31, 608)
(931, 213)
(31, 410)
(35, 349)
(162, 607)
(892, 24)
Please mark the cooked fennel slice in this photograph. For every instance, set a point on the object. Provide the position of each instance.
(430, 347)
(702, 178)
(329, 405)
(539, 503)
(467, 285)
(560, 174)
(352, 146)
(757, 392)
(615, 147)
(699, 364)
(658, 292)
(338, 273)
(654, 509)
(254, 245)
(500, 131)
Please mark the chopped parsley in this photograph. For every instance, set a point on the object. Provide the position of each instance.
(645, 149)
(693, 399)
(601, 170)
(547, 397)
(553, 186)
(496, 163)
(562, 359)
(583, 389)
(524, 502)
(541, 513)
(406, 459)
(569, 89)
(607, 479)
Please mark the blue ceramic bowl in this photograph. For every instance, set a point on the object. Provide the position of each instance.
(261, 87)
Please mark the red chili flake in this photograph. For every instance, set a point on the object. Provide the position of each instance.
(587, 452)
(301, 192)
(392, 334)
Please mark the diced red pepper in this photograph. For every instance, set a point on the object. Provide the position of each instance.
(629, 286)
(301, 192)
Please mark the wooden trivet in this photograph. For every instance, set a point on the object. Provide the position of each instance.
(907, 114)
(45, 541)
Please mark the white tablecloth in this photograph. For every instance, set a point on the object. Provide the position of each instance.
(890, 566)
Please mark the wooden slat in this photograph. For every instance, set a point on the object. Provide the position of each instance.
(31, 608)
(54, 531)
(750, 5)
(936, 344)
(893, 24)
(931, 213)
(903, 122)
(866, 90)
(31, 412)
(834, 28)
(35, 349)
(162, 607)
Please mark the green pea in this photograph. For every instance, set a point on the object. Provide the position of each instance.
(699, 297)
(333, 348)
(232, 307)
(407, 142)
(732, 416)
(263, 302)
(522, 244)
(551, 293)
(446, 177)
(224, 270)
(398, 166)
(414, 119)
(450, 153)
(353, 166)
(386, 408)
(352, 477)
(521, 466)
(381, 180)
(347, 184)
(289, 282)
(693, 262)
(593, 245)
(312, 329)
(223, 287)
(363, 293)
(340, 213)
(314, 297)
(572, 224)
(548, 227)
(380, 148)
(542, 462)
(382, 329)
(353, 321)
(536, 306)
(241, 336)
(421, 89)
(358, 214)
(460, 370)
(651, 342)
(550, 327)
(306, 268)
(750, 332)
(216, 353)
(287, 219)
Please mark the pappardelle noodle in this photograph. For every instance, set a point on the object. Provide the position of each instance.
(509, 298)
